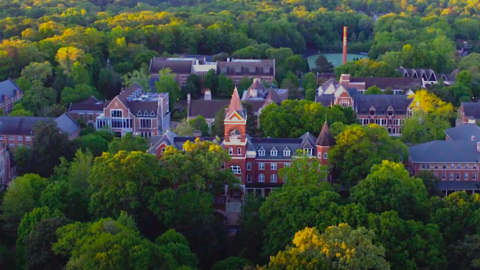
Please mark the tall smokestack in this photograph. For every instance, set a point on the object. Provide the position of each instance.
(344, 56)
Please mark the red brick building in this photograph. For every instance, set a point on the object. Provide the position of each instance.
(255, 161)
(388, 111)
(87, 110)
(455, 161)
(9, 93)
(468, 112)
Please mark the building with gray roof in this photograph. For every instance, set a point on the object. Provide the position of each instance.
(9, 93)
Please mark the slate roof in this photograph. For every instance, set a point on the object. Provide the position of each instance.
(67, 124)
(235, 105)
(364, 102)
(20, 125)
(464, 132)
(136, 106)
(247, 67)
(385, 82)
(90, 104)
(177, 65)
(445, 152)
(325, 138)
(8, 88)
(459, 185)
(471, 109)
(208, 108)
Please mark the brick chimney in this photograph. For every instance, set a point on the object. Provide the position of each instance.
(207, 95)
(345, 79)
(344, 55)
(473, 138)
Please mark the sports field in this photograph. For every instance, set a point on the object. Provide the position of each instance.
(334, 58)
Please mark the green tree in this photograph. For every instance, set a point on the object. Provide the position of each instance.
(232, 263)
(38, 245)
(79, 93)
(199, 123)
(373, 90)
(218, 128)
(303, 171)
(243, 85)
(37, 72)
(322, 65)
(309, 81)
(18, 110)
(66, 56)
(430, 182)
(464, 253)
(116, 242)
(310, 94)
(184, 128)
(137, 76)
(225, 85)
(388, 187)
(39, 99)
(210, 81)
(166, 84)
(339, 247)
(93, 143)
(128, 143)
(358, 148)
(296, 63)
(175, 244)
(21, 197)
(109, 83)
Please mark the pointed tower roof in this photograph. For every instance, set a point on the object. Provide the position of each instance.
(235, 105)
(325, 138)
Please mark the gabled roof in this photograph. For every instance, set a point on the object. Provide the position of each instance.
(249, 68)
(385, 82)
(273, 96)
(364, 102)
(325, 138)
(471, 109)
(8, 88)
(308, 140)
(464, 132)
(90, 104)
(20, 125)
(67, 124)
(445, 152)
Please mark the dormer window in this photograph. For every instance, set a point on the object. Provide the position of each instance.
(261, 152)
(152, 113)
(372, 111)
(139, 113)
(273, 152)
(145, 114)
(308, 150)
(286, 152)
(390, 111)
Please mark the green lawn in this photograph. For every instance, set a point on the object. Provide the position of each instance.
(334, 58)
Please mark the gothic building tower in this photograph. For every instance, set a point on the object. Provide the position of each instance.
(325, 140)
(235, 139)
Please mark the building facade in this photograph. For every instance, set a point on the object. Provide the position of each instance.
(389, 111)
(468, 113)
(87, 110)
(9, 93)
(137, 112)
(17, 131)
(428, 76)
(254, 161)
(455, 161)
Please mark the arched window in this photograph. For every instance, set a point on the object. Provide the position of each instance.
(236, 169)
(239, 151)
(273, 178)
(145, 113)
(319, 154)
(261, 152)
(249, 178)
(286, 152)
(261, 178)
(230, 151)
(273, 152)
(325, 155)
(249, 166)
(163, 149)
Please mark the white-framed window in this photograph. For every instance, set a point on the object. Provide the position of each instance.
(436, 166)
(465, 176)
(451, 176)
(239, 151)
(116, 113)
(451, 166)
(230, 151)
(396, 122)
(474, 176)
(308, 150)
(10, 145)
(423, 166)
(236, 169)
(19, 138)
(458, 176)
(286, 164)
(459, 166)
(139, 113)
(319, 154)
(261, 178)
(249, 178)
(325, 155)
(343, 102)
(286, 152)
(466, 166)
(145, 113)
(273, 166)
(28, 138)
(444, 166)
(273, 152)
(2, 138)
(10, 138)
(261, 166)
(475, 166)
(152, 113)
(261, 152)
(428, 166)
(443, 176)
(273, 178)
(249, 166)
